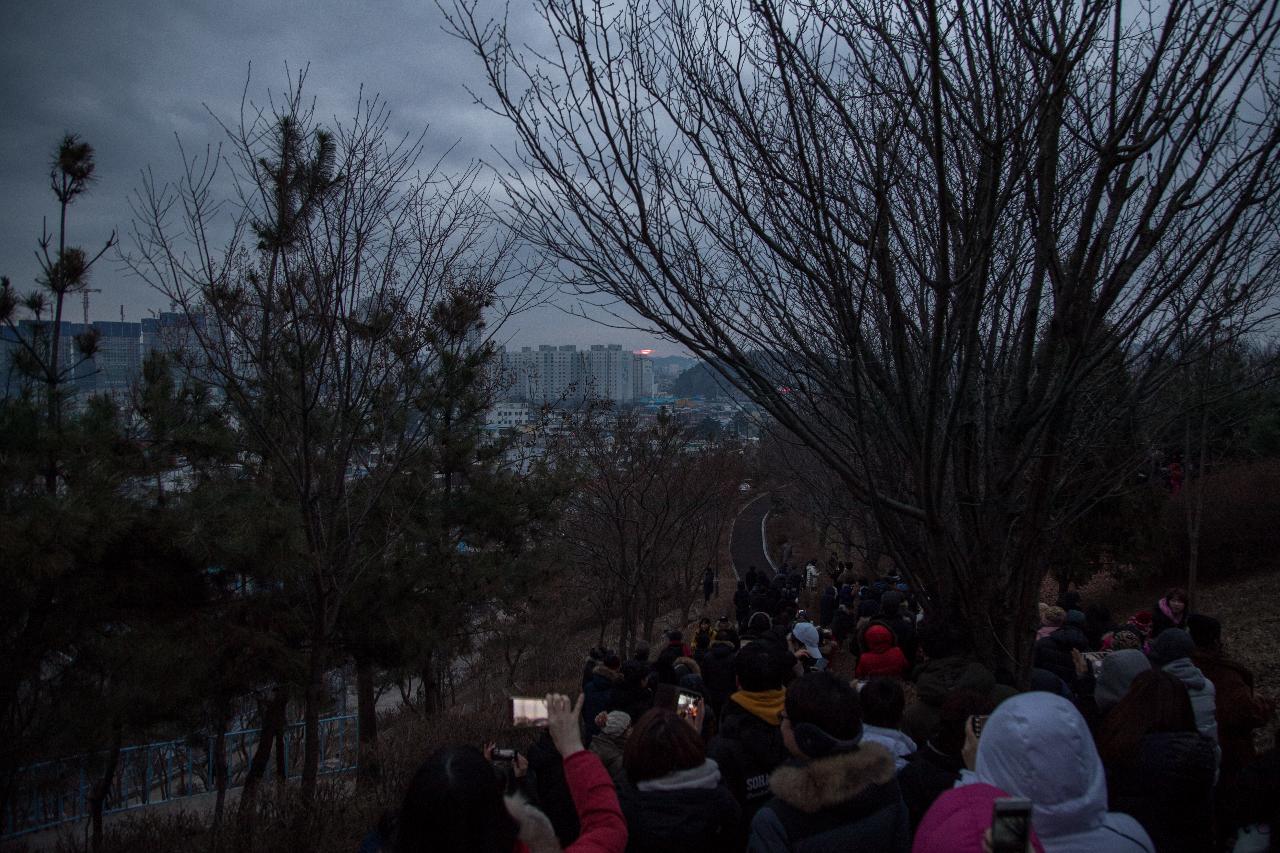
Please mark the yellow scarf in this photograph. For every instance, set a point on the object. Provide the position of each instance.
(765, 704)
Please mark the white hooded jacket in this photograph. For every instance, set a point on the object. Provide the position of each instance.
(1036, 745)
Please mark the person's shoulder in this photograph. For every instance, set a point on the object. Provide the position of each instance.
(1121, 833)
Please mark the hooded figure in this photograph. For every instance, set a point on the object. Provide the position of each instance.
(882, 657)
(1036, 745)
(1172, 652)
(1119, 669)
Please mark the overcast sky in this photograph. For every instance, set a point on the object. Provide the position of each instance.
(128, 75)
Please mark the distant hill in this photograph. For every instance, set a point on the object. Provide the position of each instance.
(701, 380)
(672, 363)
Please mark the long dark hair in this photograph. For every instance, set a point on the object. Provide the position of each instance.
(661, 743)
(1156, 702)
(454, 803)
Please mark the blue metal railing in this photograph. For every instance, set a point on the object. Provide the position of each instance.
(55, 792)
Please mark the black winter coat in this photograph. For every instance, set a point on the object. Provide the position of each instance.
(833, 805)
(596, 695)
(827, 607)
(1169, 790)
(928, 775)
(706, 820)
(549, 790)
(718, 674)
(747, 749)
(1053, 653)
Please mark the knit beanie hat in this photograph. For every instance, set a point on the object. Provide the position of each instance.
(1054, 616)
(759, 622)
(1172, 644)
(618, 722)
(1076, 617)
(1126, 638)
(1119, 669)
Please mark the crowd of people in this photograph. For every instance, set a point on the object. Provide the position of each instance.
(1134, 735)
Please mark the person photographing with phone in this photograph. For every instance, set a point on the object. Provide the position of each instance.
(454, 802)
(1037, 746)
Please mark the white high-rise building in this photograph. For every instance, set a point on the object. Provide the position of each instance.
(642, 381)
(609, 369)
(555, 374)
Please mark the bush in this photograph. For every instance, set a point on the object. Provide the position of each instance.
(1237, 534)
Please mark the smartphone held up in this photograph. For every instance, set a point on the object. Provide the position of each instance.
(528, 711)
(1010, 825)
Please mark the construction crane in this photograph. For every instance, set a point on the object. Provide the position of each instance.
(86, 293)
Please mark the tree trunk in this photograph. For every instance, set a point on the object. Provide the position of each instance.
(272, 725)
(220, 774)
(102, 788)
(369, 768)
(314, 698)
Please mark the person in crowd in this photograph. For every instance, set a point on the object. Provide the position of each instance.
(1172, 652)
(632, 693)
(935, 767)
(453, 803)
(675, 648)
(945, 668)
(599, 689)
(1250, 807)
(718, 669)
(702, 638)
(675, 798)
(758, 628)
(1051, 619)
(804, 641)
(960, 822)
(595, 657)
(1169, 612)
(760, 601)
(1122, 638)
(1238, 710)
(708, 585)
(844, 625)
(880, 655)
(1056, 652)
(641, 652)
(1119, 669)
(1159, 767)
(882, 701)
(893, 613)
(742, 605)
(612, 727)
(1097, 622)
(749, 744)
(838, 793)
(827, 606)
(1036, 745)
(752, 577)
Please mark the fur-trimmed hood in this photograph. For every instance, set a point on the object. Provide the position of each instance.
(613, 676)
(823, 783)
(536, 832)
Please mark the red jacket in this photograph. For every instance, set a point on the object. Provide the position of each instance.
(882, 657)
(603, 827)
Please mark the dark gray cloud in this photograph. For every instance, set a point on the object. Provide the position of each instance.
(130, 74)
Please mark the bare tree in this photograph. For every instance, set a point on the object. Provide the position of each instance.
(347, 299)
(925, 237)
(650, 515)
